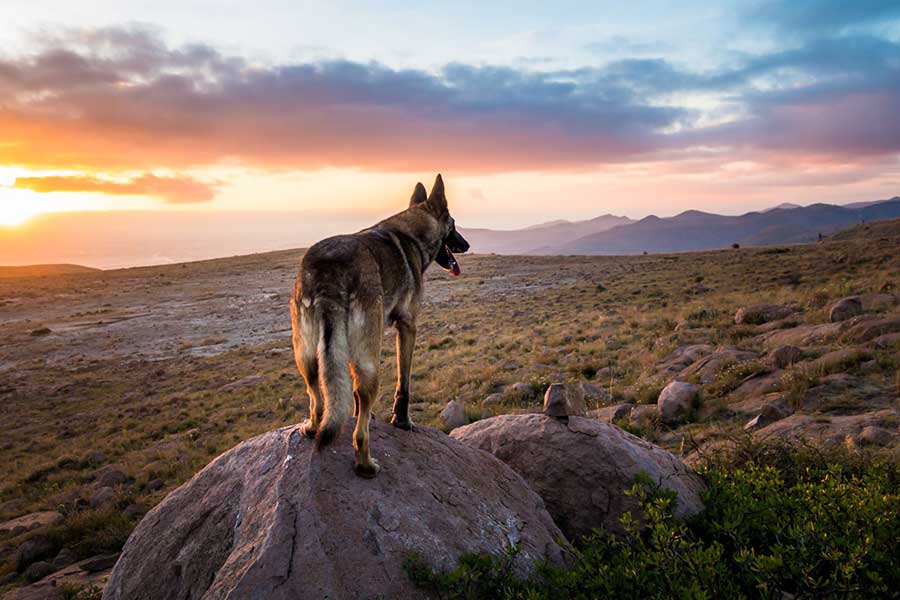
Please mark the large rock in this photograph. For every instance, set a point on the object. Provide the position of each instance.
(676, 402)
(831, 431)
(761, 313)
(868, 330)
(583, 467)
(30, 521)
(805, 335)
(272, 518)
(845, 308)
(706, 368)
(453, 415)
(784, 356)
(680, 359)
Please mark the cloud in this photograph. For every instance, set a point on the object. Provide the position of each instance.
(174, 190)
(121, 99)
(814, 17)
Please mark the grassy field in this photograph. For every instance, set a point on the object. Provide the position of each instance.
(150, 373)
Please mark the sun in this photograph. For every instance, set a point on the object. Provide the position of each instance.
(16, 207)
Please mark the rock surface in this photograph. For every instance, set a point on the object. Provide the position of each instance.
(582, 468)
(274, 519)
(564, 400)
(676, 401)
(30, 521)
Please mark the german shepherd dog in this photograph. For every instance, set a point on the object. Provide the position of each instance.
(348, 289)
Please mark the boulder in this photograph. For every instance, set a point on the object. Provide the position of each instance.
(564, 400)
(38, 570)
(873, 435)
(784, 356)
(453, 415)
(676, 402)
(679, 359)
(758, 384)
(594, 395)
(102, 496)
(845, 308)
(609, 414)
(38, 547)
(110, 477)
(758, 314)
(581, 468)
(273, 518)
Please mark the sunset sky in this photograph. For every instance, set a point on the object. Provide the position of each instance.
(532, 111)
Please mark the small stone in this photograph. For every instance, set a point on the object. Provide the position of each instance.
(155, 485)
(38, 570)
(453, 415)
(520, 392)
(845, 308)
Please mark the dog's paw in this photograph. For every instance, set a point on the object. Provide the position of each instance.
(404, 424)
(308, 429)
(367, 471)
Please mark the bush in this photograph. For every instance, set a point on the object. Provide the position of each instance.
(779, 523)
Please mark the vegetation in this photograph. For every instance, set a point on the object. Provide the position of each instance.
(779, 523)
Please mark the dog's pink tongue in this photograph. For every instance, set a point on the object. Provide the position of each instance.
(456, 271)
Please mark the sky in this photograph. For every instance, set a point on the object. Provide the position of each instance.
(331, 112)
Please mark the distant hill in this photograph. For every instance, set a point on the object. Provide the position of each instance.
(784, 205)
(41, 270)
(695, 230)
(531, 239)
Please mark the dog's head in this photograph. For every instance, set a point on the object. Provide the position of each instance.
(451, 240)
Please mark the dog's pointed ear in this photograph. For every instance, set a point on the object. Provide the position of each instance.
(437, 198)
(418, 195)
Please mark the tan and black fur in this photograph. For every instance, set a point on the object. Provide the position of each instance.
(349, 288)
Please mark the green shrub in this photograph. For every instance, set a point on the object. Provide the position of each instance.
(778, 524)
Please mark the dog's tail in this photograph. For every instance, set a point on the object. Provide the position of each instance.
(334, 372)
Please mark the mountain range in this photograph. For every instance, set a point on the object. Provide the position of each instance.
(690, 230)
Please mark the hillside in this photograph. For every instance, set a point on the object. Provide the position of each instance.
(530, 239)
(695, 230)
(44, 270)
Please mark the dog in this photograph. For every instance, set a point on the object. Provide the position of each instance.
(349, 288)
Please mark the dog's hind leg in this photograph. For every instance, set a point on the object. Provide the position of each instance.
(310, 371)
(305, 336)
(364, 362)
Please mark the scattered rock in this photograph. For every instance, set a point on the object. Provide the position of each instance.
(49, 588)
(706, 368)
(251, 381)
(873, 435)
(95, 564)
(155, 485)
(564, 400)
(758, 314)
(64, 558)
(770, 412)
(95, 457)
(610, 414)
(31, 521)
(827, 431)
(521, 393)
(453, 415)
(845, 308)
(35, 548)
(888, 340)
(679, 359)
(838, 360)
(273, 518)
(594, 394)
(784, 356)
(759, 384)
(805, 335)
(644, 416)
(110, 476)
(676, 402)
(41, 331)
(871, 329)
(582, 467)
(101, 497)
(38, 570)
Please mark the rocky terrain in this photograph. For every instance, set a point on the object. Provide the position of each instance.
(118, 386)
